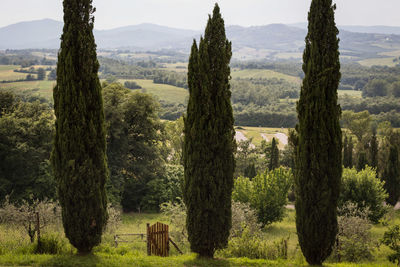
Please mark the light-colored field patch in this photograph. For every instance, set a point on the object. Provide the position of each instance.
(350, 93)
(388, 61)
(164, 92)
(177, 67)
(262, 133)
(264, 74)
(42, 88)
(7, 73)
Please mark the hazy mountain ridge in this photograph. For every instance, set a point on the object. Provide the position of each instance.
(272, 38)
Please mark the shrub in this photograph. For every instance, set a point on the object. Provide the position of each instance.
(266, 193)
(114, 218)
(254, 247)
(244, 217)
(132, 85)
(391, 238)
(50, 244)
(176, 214)
(364, 189)
(353, 241)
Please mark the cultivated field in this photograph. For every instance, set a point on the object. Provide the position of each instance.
(264, 74)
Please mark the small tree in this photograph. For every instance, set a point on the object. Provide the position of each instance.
(391, 238)
(274, 156)
(41, 74)
(391, 176)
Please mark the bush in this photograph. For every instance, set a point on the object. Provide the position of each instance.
(391, 238)
(354, 241)
(266, 193)
(244, 217)
(132, 85)
(364, 189)
(254, 247)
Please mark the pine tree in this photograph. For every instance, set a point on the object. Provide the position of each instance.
(209, 141)
(79, 153)
(391, 176)
(319, 145)
(274, 156)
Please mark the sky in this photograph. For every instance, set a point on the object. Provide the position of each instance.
(193, 14)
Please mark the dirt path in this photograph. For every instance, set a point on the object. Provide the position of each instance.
(239, 136)
(283, 139)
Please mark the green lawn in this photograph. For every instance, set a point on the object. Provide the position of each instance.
(265, 74)
(164, 92)
(15, 249)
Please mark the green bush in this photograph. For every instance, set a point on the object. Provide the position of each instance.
(354, 241)
(391, 238)
(364, 189)
(266, 193)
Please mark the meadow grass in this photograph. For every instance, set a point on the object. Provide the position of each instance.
(257, 134)
(264, 74)
(168, 93)
(41, 88)
(16, 250)
(7, 73)
(387, 61)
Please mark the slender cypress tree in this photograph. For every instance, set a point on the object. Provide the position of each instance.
(274, 156)
(79, 153)
(391, 176)
(346, 152)
(373, 150)
(319, 150)
(209, 141)
(362, 161)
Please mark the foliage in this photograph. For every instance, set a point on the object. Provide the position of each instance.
(132, 85)
(79, 154)
(354, 241)
(209, 141)
(41, 74)
(365, 190)
(274, 156)
(176, 214)
(114, 218)
(50, 244)
(319, 150)
(358, 123)
(391, 176)
(375, 87)
(25, 214)
(245, 157)
(266, 193)
(391, 238)
(26, 131)
(244, 218)
(348, 152)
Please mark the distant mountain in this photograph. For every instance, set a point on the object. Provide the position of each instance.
(360, 29)
(269, 41)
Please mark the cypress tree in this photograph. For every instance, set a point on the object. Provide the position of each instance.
(345, 152)
(391, 176)
(373, 150)
(319, 145)
(274, 156)
(362, 161)
(350, 152)
(79, 153)
(209, 141)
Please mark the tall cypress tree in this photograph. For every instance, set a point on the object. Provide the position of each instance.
(274, 156)
(391, 176)
(79, 153)
(345, 152)
(319, 145)
(209, 141)
(373, 150)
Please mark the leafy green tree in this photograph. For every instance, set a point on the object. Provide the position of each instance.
(391, 238)
(391, 176)
(319, 149)
(41, 74)
(79, 153)
(358, 123)
(7, 100)
(375, 87)
(26, 133)
(266, 193)
(364, 189)
(396, 89)
(209, 141)
(274, 156)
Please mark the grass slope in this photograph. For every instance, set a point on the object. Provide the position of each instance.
(42, 88)
(264, 74)
(7, 73)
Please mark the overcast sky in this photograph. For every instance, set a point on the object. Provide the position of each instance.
(192, 14)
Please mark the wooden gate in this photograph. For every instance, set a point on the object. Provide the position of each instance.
(157, 240)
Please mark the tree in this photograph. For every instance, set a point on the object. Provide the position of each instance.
(362, 161)
(375, 87)
(391, 176)
(373, 149)
(348, 152)
(209, 141)
(358, 123)
(79, 153)
(41, 74)
(274, 156)
(319, 146)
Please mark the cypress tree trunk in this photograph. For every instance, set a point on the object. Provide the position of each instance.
(319, 145)
(209, 141)
(79, 153)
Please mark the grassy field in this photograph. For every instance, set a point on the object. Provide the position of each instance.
(16, 250)
(164, 92)
(177, 67)
(350, 93)
(260, 133)
(387, 61)
(42, 88)
(7, 73)
(265, 74)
